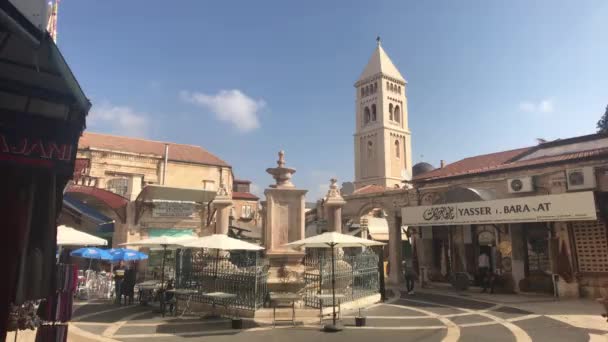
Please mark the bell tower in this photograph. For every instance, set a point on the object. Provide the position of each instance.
(382, 137)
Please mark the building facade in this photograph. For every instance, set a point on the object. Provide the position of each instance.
(150, 189)
(539, 213)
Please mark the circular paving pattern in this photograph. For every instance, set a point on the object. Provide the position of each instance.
(418, 317)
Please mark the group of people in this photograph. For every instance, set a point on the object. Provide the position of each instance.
(124, 283)
(487, 277)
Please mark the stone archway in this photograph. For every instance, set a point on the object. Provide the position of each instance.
(390, 202)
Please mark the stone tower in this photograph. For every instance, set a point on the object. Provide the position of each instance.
(382, 137)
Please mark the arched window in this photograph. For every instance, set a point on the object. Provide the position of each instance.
(397, 153)
(388, 85)
(370, 145)
(390, 111)
(399, 89)
(366, 115)
(397, 114)
(362, 91)
(373, 112)
(375, 87)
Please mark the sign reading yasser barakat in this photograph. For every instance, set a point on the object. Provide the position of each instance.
(578, 206)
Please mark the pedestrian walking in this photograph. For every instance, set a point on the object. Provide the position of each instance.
(484, 270)
(119, 277)
(410, 275)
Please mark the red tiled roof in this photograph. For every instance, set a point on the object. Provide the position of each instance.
(177, 152)
(370, 189)
(475, 164)
(244, 195)
(492, 162)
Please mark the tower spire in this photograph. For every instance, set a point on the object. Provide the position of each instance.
(378, 40)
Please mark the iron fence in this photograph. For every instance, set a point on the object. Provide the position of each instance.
(242, 273)
(356, 275)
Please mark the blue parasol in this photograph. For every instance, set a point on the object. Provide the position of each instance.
(125, 254)
(92, 253)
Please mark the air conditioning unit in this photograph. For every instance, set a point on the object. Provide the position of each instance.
(581, 178)
(519, 185)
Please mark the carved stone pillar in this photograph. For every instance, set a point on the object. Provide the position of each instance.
(222, 202)
(334, 204)
(395, 276)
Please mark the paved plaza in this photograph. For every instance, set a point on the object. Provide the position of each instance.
(425, 316)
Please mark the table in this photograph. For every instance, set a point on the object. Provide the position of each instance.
(223, 296)
(329, 296)
(183, 292)
(146, 290)
(283, 300)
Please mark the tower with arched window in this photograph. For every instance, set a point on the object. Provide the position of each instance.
(382, 137)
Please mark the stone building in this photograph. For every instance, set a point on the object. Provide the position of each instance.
(245, 212)
(152, 188)
(538, 212)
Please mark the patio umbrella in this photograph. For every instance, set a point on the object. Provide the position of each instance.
(67, 236)
(125, 254)
(333, 240)
(221, 242)
(163, 242)
(92, 253)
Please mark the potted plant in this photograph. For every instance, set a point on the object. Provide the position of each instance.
(237, 322)
(360, 319)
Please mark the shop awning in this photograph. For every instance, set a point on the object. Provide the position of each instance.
(378, 229)
(576, 206)
(166, 193)
(104, 223)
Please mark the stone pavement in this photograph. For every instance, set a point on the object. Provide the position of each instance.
(429, 315)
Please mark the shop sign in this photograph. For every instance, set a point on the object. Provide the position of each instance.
(578, 206)
(38, 143)
(172, 209)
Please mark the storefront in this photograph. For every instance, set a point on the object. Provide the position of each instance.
(42, 114)
(167, 211)
(524, 238)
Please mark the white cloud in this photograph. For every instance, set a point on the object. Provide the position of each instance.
(542, 106)
(232, 106)
(121, 120)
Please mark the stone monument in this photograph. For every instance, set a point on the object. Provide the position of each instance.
(222, 202)
(333, 204)
(284, 223)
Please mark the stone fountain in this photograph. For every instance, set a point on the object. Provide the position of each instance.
(284, 222)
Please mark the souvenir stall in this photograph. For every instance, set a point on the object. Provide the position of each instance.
(42, 115)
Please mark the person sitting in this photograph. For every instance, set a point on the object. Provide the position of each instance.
(168, 297)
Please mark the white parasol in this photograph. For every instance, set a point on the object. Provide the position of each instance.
(221, 242)
(333, 240)
(67, 236)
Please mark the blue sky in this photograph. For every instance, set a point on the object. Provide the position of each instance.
(246, 78)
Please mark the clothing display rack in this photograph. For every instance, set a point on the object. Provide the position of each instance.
(56, 310)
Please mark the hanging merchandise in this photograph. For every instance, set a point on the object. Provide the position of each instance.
(52, 333)
(58, 307)
(24, 317)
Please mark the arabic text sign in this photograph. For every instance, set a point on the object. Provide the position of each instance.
(578, 206)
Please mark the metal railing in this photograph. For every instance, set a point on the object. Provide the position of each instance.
(356, 275)
(242, 273)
